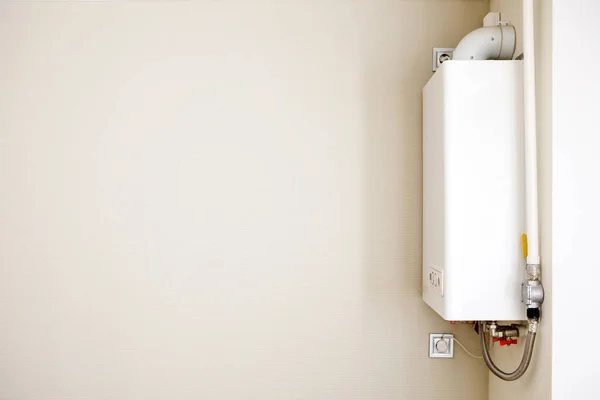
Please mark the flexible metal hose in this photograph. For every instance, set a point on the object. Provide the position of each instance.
(527, 353)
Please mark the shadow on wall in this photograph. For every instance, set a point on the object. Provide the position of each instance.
(396, 320)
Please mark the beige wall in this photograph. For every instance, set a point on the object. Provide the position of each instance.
(536, 384)
(576, 195)
(219, 200)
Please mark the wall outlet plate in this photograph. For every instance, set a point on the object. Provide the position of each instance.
(441, 54)
(441, 345)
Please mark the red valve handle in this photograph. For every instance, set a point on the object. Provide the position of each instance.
(508, 342)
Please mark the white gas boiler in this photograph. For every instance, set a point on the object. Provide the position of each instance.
(473, 191)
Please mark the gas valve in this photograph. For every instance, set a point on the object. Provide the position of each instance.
(505, 335)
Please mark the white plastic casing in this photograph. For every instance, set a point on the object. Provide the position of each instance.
(473, 191)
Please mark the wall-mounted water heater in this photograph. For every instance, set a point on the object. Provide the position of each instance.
(473, 191)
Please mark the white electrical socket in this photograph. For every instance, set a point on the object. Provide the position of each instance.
(440, 55)
(441, 345)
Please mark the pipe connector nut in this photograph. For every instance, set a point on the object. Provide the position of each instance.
(532, 293)
(533, 271)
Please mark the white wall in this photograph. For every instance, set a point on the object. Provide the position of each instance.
(576, 197)
(219, 200)
(537, 382)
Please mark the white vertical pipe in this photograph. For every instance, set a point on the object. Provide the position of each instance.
(531, 181)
